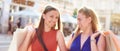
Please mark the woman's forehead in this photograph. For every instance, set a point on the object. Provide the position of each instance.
(81, 15)
(53, 12)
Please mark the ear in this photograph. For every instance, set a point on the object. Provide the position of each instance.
(44, 16)
(89, 19)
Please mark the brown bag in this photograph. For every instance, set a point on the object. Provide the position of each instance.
(110, 46)
(110, 43)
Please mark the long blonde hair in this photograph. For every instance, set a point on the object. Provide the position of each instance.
(89, 13)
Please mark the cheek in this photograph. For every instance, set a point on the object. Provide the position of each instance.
(47, 20)
(79, 23)
(56, 20)
(83, 23)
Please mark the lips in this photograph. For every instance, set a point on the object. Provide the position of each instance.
(51, 23)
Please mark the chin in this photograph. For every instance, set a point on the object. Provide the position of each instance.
(51, 26)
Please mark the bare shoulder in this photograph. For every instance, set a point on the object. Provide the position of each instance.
(59, 33)
(59, 36)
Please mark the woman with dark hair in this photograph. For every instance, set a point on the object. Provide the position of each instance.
(10, 29)
(87, 36)
(46, 37)
(19, 22)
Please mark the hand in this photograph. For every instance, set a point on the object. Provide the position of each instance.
(108, 32)
(28, 39)
(30, 30)
(93, 36)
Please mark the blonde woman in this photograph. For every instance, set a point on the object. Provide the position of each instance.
(86, 36)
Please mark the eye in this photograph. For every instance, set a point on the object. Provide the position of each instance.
(79, 19)
(56, 17)
(51, 16)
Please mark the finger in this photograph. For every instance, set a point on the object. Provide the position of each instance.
(31, 28)
(106, 32)
(96, 34)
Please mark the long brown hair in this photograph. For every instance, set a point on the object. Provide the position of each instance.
(40, 29)
(41, 24)
(89, 13)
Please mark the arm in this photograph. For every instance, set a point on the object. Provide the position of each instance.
(72, 37)
(69, 43)
(101, 43)
(100, 46)
(61, 42)
(25, 44)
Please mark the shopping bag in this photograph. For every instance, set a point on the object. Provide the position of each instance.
(18, 37)
(112, 42)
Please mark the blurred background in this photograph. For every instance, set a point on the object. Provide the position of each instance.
(18, 13)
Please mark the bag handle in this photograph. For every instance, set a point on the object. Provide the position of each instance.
(41, 41)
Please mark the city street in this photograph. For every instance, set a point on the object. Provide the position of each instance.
(86, 15)
(6, 39)
(4, 42)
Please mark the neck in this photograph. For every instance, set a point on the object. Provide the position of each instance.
(88, 31)
(47, 28)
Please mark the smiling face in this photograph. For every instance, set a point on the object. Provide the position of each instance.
(51, 18)
(86, 17)
(83, 21)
